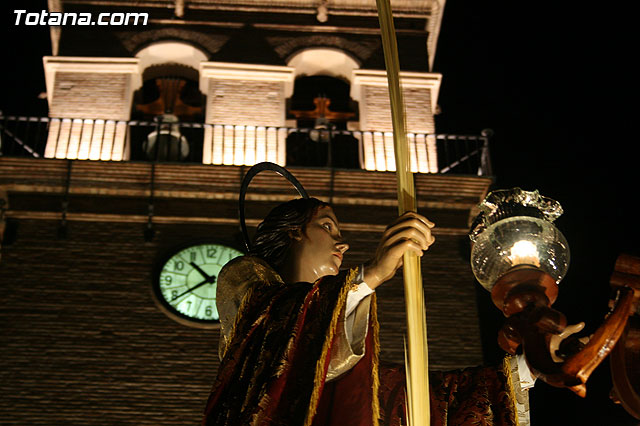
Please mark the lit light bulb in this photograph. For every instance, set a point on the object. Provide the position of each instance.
(524, 253)
(515, 228)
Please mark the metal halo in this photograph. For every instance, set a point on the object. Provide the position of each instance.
(265, 165)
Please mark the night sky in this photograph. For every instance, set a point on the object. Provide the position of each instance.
(551, 85)
(550, 82)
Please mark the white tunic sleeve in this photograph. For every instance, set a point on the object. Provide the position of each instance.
(353, 300)
(349, 343)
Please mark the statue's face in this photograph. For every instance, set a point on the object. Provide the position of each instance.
(321, 247)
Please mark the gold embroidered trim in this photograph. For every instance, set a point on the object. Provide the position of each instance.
(376, 351)
(320, 373)
(247, 265)
(243, 306)
(506, 367)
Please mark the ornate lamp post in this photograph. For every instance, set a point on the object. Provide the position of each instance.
(520, 257)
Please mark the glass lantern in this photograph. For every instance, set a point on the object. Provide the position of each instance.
(515, 229)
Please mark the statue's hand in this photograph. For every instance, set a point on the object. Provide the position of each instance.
(410, 232)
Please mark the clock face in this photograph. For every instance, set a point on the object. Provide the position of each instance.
(186, 285)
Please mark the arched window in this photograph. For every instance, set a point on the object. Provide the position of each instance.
(169, 96)
(322, 107)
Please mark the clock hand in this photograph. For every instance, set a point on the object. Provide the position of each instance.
(199, 269)
(211, 279)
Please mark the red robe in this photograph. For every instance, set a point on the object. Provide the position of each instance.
(276, 359)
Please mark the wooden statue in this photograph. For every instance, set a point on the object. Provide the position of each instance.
(525, 296)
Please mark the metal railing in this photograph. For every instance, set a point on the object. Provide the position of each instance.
(109, 140)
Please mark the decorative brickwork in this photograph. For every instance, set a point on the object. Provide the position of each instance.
(361, 48)
(97, 88)
(90, 95)
(135, 40)
(261, 103)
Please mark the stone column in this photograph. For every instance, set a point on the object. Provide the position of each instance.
(420, 91)
(89, 105)
(245, 112)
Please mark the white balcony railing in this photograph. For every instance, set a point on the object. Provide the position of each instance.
(105, 140)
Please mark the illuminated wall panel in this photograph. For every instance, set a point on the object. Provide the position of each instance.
(420, 91)
(89, 103)
(87, 140)
(246, 103)
(378, 152)
(244, 145)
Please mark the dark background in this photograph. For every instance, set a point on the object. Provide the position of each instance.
(550, 82)
(549, 79)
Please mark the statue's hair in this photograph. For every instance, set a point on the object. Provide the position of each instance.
(274, 236)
